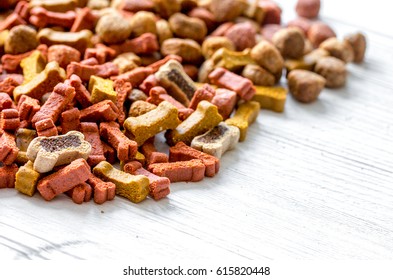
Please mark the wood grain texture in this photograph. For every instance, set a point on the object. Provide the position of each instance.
(312, 183)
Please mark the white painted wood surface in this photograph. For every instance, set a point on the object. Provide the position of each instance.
(312, 183)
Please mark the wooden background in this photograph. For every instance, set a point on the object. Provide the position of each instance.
(312, 183)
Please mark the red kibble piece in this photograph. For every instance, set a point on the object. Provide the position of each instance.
(268, 31)
(90, 61)
(148, 83)
(84, 71)
(11, 62)
(137, 5)
(182, 152)
(308, 8)
(152, 156)
(156, 65)
(123, 89)
(85, 19)
(222, 29)
(27, 107)
(126, 149)
(8, 149)
(46, 127)
(180, 171)
(7, 176)
(206, 92)
(70, 120)
(302, 23)
(135, 76)
(80, 193)
(103, 111)
(82, 95)
(109, 152)
(319, 32)
(103, 191)
(40, 17)
(77, 172)
(12, 20)
(9, 119)
(5, 101)
(272, 12)
(92, 135)
(62, 95)
(101, 52)
(242, 35)
(242, 86)
(225, 100)
(8, 85)
(144, 44)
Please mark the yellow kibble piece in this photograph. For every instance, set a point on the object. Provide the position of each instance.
(101, 89)
(133, 187)
(271, 98)
(26, 179)
(244, 116)
(32, 65)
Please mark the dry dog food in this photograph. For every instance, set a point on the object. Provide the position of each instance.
(71, 73)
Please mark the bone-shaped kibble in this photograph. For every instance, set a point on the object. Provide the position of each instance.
(26, 179)
(85, 19)
(8, 148)
(9, 119)
(225, 100)
(46, 127)
(85, 69)
(5, 101)
(7, 175)
(206, 92)
(103, 191)
(244, 116)
(92, 135)
(48, 152)
(133, 187)
(40, 17)
(159, 187)
(78, 40)
(70, 120)
(81, 93)
(145, 44)
(104, 111)
(101, 89)
(182, 152)
(180, 171)
(271, 98)
(227, 79)
(172, 76)
(77, 172)
(12, 20)
(126, 148)
(60, 6)
(151, 154)
(205, 117)
(135, 76)
(232, 60)
(80, 193)
(218, 140)
(42, 83)
(147, 125)
(32, 65)
(27, 107)
(61, 96)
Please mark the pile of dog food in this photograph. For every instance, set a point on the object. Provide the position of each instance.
(87, 85)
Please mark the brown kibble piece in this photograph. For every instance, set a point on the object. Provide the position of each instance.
(227, 10)
(189, 50)
(211, 44)
(140, 107)
(333, 70)
(339, 49)
(305, 85)
(358, 43)
(78, 40)
(268, 57)
(143, 22)
(290, 42)
(113, 28)
(187, 27)
(21, 39)
(258, 75)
